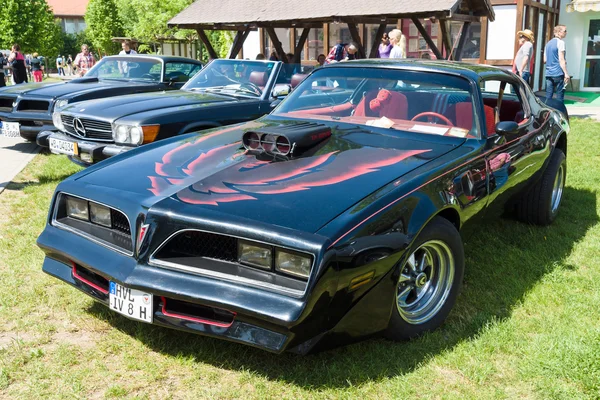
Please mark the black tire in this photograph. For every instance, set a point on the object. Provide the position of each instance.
(540, 204)
(405, 321)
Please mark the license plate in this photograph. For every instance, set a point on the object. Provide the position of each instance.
(11, 129)
(131, 303)
(63, 147)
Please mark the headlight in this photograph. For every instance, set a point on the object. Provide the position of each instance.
(77, 208)
(255, 255)
(121, 134)
(57, 121)
(100, 215)
(293, 263)
(60, 104)
(136, 135)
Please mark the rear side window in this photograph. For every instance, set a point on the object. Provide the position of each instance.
(180, 71)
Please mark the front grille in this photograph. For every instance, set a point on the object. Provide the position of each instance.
(33, 105)
(6, 104)
(94, 130)
(201, 244)
(119, 222)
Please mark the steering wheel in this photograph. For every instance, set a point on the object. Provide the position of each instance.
(430, 115)
(147, 76)
(251, 86)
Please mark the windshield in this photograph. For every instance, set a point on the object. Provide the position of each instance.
(127, 67)
(423, 102)
(241, 77)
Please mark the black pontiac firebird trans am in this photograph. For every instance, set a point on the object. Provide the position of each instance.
(223, 93)
(337, 216)
(26, 110)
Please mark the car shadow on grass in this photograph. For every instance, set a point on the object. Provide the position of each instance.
(503, 262)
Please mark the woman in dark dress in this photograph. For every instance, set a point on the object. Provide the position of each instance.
(17, 62)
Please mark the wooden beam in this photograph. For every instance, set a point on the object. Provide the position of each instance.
(464, 18)
(446, 39)
(238, 43)
(464, 33)
(356, 39)
(300, 45)
(377, 40)
(520, 21)
(483, 41)
(326, 46)
(276, 44)
(427, 38)
(211, 51)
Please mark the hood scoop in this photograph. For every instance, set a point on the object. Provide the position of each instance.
(289, 141)
(85, 80)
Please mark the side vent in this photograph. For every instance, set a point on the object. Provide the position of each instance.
(286, 140)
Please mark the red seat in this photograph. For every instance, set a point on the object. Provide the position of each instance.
(296, 79)
(362, 110)
(390, 104)
(259, 78)
(463, 117)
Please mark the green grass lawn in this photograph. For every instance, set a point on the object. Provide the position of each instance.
(526, 325)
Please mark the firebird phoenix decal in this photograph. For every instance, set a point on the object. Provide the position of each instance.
(225, 174)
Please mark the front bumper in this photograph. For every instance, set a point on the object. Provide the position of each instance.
(261, 319)
(87, 152)
(30, 124)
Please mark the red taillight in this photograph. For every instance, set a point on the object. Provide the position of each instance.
(251, 141)
(267, 142)
(282, 145)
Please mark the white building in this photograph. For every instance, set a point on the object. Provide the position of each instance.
(582, 19)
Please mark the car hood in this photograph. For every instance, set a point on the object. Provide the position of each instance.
(112, 108)
(62, 89)
(210, 174)
(30, 87)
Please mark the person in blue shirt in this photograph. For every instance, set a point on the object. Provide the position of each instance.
(555, 55)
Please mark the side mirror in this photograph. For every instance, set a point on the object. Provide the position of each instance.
(281, 90)
(506, 128)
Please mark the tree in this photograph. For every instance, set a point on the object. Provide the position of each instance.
(147, 20)
(30, 23)
(103, 23)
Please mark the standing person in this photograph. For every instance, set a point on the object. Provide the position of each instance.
(398, 40)
(126, 48)
(84, 60)
(70, 64)
(385, 47)
(524, 54)
(321, 59)
(59, 66)
(17, 62)
(3, 63)
(337, 53)
(352, 51)
(28, 65)
(36, 68)
(555, 55)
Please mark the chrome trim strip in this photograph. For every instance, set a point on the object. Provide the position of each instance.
(225, 277)
(94, 239)
(199, 271)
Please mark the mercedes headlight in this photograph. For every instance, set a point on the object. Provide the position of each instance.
(121, 134)
(60, 104)
(294, 264)
(57, 121)
(136, 135)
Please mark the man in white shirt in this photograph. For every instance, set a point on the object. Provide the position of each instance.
(126, 46)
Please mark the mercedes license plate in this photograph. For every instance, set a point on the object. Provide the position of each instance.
(63, 147)
(131, 303)
(10, 129)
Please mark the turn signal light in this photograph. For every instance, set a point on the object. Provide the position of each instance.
(150, 133)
